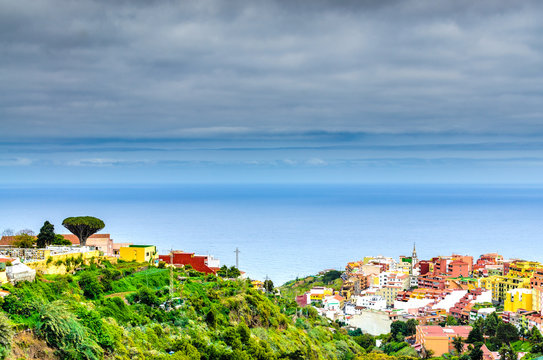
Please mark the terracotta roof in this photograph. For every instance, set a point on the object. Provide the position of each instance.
(9, 240)
(436, 330)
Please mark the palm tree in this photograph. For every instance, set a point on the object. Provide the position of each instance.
(427, 353)
(458, 344)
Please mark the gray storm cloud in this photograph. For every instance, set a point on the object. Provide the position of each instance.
(174, 69)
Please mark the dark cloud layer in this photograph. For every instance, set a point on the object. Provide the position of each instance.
(308, 90)
(169, 68)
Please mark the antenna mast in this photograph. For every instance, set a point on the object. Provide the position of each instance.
(237, 258)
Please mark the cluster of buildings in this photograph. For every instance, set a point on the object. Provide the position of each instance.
(383, 289)
(18, 264)
(327, 301)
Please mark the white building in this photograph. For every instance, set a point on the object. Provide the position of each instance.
(19, 272)
(412, 303)
(450, 300)
(374, 302)
(332, 303)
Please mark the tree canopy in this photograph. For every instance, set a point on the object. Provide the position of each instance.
(60, 241)
(46, 235)
(83, 227)
(24, 239)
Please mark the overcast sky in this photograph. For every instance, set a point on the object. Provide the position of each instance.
(271, 91)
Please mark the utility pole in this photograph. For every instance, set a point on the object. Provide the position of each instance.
(237, 258)
(171, 274)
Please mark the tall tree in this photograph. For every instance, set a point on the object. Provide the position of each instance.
(83, 227)
(537, 340)
(458, 344)
(46, 235)
(398, 327)
(490, 324)
(268, 285)
(475, 335)
(411, 327)
(476, 353)
(507, 333)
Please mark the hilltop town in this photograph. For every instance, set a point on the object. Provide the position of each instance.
(443, 295)
(20, 257)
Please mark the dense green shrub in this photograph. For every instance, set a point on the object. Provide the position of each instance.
(6, 336)
(211, 317)
(92, 289)
(60, 328)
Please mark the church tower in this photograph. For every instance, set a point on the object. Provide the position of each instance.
(414, 259)
(413, 278)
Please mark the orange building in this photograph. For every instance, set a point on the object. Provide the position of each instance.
(439, 339)
(458, 268)
(537, 278)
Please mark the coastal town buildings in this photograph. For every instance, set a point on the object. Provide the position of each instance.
(203, 263)
(439, 339)
(101, 242)
(517, 299)
(518, 274)
(431, 291)
(139, 253)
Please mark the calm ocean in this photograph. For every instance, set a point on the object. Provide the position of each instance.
(288, 231)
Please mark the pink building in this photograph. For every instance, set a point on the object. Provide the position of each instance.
(102, 242)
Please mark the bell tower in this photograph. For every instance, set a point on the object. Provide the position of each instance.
(414, 259)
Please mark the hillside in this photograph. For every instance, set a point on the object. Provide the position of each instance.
(296, 287)
(121, 311)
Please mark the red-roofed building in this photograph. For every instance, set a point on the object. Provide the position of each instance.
(433, 282)
(202, 263)
(487, 354)
(7, 241)
(439, 339)
(458, 268)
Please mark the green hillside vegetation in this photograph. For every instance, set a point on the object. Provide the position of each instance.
(121, 311)
(293, 288)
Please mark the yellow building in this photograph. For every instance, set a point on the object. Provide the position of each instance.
(318, 293)
(403, 267)
(518, 299)
(518, 277)
(389, 293)
(138, 253)
(257, 284)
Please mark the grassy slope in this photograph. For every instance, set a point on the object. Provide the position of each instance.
(218, 319)
(300, 286)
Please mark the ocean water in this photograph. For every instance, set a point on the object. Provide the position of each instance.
(286, 231)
